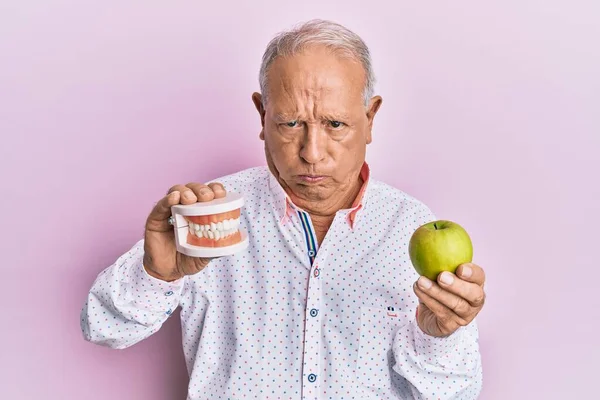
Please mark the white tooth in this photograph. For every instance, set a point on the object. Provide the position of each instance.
(206, 228)
(217, 235)
(226, 224)
(236, 223)
(213, 226)
(200, 227)
(199, 234)
(211, 235)
(191, 227)
(197, 227)
(220, 226)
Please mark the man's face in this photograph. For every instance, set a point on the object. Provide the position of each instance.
(315, 123)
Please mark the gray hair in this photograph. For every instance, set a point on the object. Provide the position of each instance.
(318, 32)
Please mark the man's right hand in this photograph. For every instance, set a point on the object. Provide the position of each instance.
(161, 258)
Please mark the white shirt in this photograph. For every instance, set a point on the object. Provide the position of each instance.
(286, 319)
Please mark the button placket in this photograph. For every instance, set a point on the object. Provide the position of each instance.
(312, 337)
(167, 294)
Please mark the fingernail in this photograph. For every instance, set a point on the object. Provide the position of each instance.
(424, 283)
(446, 278)
(466, 271)
(204, 191)
(188, 194)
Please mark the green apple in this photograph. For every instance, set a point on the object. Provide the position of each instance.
(439, 246)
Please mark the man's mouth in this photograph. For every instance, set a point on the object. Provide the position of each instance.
(312, 178)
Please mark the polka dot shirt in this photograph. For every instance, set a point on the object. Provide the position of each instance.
(289, 318)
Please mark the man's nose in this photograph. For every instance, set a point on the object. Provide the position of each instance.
(314, 145)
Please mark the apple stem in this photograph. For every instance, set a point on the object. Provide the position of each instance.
(435, 226)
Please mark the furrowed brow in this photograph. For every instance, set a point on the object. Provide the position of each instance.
(336, 116)
(283, 117)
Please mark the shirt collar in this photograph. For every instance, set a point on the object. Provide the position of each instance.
(285, 207)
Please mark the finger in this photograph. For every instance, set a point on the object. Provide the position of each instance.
(218, 189)
(471, 292)
(443, 313)
(192, 265)
(458, 305)
(158, 220)
(187, 194)
(203, 192)
(471, 273)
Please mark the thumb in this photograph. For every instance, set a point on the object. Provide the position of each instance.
(158, 220)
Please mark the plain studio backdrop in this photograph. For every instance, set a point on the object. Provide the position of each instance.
(491, 116)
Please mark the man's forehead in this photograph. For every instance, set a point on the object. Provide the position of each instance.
(313, 83)
(285, 114)
(316, 72)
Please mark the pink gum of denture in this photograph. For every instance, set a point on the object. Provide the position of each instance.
(210, 229)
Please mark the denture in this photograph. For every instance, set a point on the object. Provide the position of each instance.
(210, 229)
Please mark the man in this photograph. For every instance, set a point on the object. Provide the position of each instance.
(323, 304)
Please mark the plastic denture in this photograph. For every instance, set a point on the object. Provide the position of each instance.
(210, 229)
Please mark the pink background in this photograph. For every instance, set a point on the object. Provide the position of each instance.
(491, 116)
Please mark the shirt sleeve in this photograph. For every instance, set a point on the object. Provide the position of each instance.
(125, 304)
(439, 368)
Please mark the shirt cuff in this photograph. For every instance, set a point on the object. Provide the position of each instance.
(437, 347)
(152, 294)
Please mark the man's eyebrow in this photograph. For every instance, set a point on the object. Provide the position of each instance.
(283, 117)
(331, 116)
(336, 116)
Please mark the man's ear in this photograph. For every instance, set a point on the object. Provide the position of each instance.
(372, 109)
(257, 100)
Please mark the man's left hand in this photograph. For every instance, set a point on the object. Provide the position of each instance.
(451, 302)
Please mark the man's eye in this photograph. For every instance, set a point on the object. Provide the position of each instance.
(335, 124)
(292, 124)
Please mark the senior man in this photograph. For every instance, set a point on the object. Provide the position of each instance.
(324, 303)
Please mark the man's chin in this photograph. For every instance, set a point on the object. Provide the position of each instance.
(312, 192)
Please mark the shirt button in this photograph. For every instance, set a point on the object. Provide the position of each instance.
(314, 312)
(169, 293)
(317, 272)
(169, 311)
(311, 253)
(312, 378)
